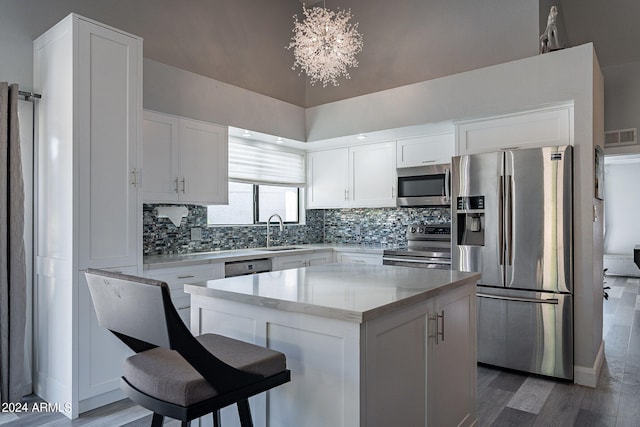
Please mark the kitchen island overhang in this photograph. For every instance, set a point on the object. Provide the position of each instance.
(360, 340)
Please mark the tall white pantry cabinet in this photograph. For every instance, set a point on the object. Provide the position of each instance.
(88, 202)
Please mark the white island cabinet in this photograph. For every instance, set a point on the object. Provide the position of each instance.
(366, 345)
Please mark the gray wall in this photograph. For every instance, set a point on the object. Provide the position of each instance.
(622, 100)
(240, 42)
(622, 207)
(175, 91)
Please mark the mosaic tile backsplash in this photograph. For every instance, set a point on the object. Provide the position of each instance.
(378, 226)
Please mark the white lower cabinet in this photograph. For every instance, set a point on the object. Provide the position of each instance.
(452, 358)
(303, 260)
(447, 381)
(358, 258)
(177, 277)
(387, 371)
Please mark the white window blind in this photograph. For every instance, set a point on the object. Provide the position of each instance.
(257, 163)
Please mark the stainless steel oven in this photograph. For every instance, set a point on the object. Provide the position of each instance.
(424, 186)
(428, 246)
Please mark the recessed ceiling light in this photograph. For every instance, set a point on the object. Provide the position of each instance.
(361, 136)
(246, 134)
(279, 140)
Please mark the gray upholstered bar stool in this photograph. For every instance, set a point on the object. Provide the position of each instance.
(173, 373)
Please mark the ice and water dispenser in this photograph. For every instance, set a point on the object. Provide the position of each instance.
(470, 220)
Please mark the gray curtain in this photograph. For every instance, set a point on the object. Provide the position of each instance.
(13, 282)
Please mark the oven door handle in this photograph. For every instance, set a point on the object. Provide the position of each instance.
(418, 261)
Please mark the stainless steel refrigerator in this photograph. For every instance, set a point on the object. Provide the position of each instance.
(512, 222)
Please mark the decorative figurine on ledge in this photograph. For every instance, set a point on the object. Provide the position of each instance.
(549, 40)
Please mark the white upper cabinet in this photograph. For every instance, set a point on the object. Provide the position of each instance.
(425, 150)
(359, 176)
(160, 150)
(328, 178)
(185, 161)
(203, 163)
(107, 146)
(537, 128)
(373, 176)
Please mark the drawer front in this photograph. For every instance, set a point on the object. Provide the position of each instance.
(176, 278)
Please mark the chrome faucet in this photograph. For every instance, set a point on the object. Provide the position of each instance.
(269, 227)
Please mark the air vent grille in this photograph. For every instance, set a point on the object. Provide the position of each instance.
(621, 137)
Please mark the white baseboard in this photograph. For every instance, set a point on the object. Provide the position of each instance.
(588, 376)
(621, 265)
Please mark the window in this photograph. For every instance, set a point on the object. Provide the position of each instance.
(281, 200)
(263, 179)
(255, 203)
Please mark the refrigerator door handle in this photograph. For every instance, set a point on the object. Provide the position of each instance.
(509, 220)
(501, 220)
(533, 300)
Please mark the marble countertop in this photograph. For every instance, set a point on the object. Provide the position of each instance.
(182, 260)
(356, 293)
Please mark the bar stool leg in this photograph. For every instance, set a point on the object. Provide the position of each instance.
(245, 413)
(216, 418)
(157, 420)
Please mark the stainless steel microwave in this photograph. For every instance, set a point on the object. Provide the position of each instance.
(424, 186)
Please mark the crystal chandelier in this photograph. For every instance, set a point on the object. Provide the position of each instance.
(325, 44)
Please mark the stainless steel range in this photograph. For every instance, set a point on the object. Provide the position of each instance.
(428, 246)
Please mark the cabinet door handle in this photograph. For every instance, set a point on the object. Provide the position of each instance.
(188, 276)
(176, 182)
(439, 331)
(134, 177)
(428, 161)
(393, 191)
(346, 194)
(184, 185)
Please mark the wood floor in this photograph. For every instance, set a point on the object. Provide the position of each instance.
(504, 398)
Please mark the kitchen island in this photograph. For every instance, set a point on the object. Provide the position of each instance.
(366, 345)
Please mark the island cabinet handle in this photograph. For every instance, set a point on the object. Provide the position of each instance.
(188, 276)
(439, 335)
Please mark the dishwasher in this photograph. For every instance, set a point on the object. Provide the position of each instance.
(250, 266)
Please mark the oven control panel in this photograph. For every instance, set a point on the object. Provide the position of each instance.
(429, 232)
